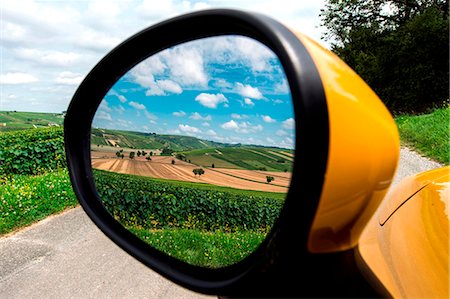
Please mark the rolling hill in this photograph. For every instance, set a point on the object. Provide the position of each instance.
(139, 140)
(250, 158)
(13, 121)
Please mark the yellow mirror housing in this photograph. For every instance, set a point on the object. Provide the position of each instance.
(362, 158)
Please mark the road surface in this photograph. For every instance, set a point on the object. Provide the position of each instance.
(66, 256)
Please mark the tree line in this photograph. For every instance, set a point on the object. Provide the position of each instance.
(399, 47)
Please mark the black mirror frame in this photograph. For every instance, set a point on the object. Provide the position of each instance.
(282, 265)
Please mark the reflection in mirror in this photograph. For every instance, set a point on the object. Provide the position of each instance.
(192, 149)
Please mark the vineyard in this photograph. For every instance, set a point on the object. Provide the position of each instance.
(200, 223)
(33, 151)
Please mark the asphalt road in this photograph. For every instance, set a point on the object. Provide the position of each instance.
(66, 256)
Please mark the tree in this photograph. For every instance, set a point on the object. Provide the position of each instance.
(181, 157)
(400, 48)
(166, 151)
(151, 154)
(213, 165)
(148, 158)
(139, 153)
(270, 179)
(131, 155)
(198, 171)
(144, 153)
(173, 161)
(118, 153)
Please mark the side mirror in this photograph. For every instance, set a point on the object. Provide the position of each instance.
(346, 151)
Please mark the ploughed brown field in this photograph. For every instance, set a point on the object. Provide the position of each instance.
(162, 167)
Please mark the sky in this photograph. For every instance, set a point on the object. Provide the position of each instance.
(229, 89)
(48, 47)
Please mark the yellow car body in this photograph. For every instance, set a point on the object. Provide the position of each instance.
(406, 242)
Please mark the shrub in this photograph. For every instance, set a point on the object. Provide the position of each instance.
(32, 151)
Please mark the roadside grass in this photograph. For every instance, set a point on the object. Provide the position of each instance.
(202, 248)
(427, 133)
(26, 199)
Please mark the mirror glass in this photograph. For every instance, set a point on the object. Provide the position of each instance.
(192, 149)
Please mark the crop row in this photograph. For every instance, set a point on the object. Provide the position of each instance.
(32, 151)
(143, 202)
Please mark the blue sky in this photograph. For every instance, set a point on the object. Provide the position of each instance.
(228, 89)
(48, 46)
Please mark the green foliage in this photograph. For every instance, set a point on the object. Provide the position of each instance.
(198, 171)
(26, 199)
(32, 151)
(269, 179)
(427, 133)
(148, 158)
(401, 54)
(131, 155)
(166, 151)
(202, 248)
(153, 204)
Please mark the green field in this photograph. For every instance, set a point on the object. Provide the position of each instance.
(427, 133)
(12, 121)
(251, 158)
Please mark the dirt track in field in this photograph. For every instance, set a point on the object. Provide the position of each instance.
(161, 167)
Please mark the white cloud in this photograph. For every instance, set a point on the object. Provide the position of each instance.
(211, 133)
(17, 78)
(241, 127)
(289, 124)
(186, 66)
(150, 116)
(287, 143)
(170, 86)
(180, 113)
(248, 91)
(268, 119)
(136, 105)
(206, 124)
(281, 133)
(238, 116)
(197, 116)
(277, 101)
(281, 87)
(270, 140)
(103, 115)
(231, 125)
(122, 99)
(249, 102)
(120, 109)
(48, 58)
(211, 100)
(104, 106)
(69, 78)
(188, 129)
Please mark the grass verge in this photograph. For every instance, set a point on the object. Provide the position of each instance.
(427, 133)
(202, 248)
(26, 199)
